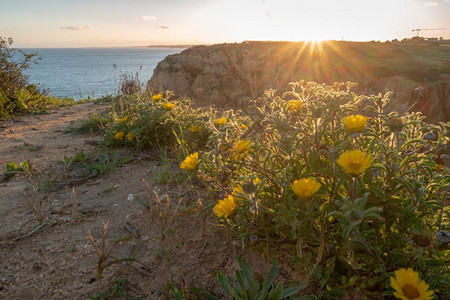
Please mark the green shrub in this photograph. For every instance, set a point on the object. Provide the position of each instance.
(362, 226)
(319, 177)
(247, 286)
(16, 95)
(150, 124)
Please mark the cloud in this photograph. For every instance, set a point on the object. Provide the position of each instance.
(77, 27)
(430, 4)
(147, 18)
(162, 27)
(268, 14)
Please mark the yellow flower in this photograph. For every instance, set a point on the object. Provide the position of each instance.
(220, 121)
(119, 136)
(195, 128)
(409, 286)
(156, 97)
(294, 105)
(305, 188)
(169, 106)
(130, 136)
(225, 207)
(355, 123)
(121, 120)
(354, 162)
(241, 149)
(243, 126)
(239, 193)
(190, 162)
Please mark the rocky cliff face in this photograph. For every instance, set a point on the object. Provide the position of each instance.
(228, 75)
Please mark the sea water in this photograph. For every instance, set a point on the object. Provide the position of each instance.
(81, 72)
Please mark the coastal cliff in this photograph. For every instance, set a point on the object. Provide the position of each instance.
(228, 75)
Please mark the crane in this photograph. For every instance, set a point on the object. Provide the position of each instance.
(420, 29)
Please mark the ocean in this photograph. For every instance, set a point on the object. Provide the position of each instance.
(81, 72)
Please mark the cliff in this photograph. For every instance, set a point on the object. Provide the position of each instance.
(227, 75)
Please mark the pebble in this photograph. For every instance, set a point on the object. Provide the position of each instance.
(56, 210)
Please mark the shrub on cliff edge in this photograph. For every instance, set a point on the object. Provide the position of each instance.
(16, 94)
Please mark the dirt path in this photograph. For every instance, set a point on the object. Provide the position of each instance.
(54, 258)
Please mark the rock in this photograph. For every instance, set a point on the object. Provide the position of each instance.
(228, 75)
(56, 210)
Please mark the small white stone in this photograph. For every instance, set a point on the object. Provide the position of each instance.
(130, 197)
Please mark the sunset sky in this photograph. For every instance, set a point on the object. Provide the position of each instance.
(107, 23)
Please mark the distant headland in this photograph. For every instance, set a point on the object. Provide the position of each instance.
(170, 46)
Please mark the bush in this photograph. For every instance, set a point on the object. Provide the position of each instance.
(319, 177)
(12, 63)
(16, 95)
(152, 121)
(362, 215)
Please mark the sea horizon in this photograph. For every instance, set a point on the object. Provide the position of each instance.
(94, 72)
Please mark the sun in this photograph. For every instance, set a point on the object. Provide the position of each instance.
(315, 41)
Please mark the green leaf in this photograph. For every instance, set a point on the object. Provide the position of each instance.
(210, 297)
(268, 281)
(247, 274)
(435, 262)
(378, 192)
(351, 281)
(26, 165)
(224, 283)
(308, 297)
(290, 291)
(255, 286)
(11, 166)
(276, 293)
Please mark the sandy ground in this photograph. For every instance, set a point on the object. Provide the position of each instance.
(53, 258)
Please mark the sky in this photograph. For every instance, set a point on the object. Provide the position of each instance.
(121, 23)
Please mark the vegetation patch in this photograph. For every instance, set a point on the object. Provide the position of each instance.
(16, 94)
(320, 178)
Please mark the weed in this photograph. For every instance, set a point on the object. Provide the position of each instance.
(13, 169)
(75, 202)
(30, 147)
(106, 163)
(108, 189)
(247, 286)
(104, 255)
(118, 290)
(93, 123)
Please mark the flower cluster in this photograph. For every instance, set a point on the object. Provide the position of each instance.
(318, 179)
